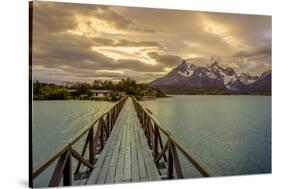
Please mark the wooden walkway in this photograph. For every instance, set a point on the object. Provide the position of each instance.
(125, 151)
(126, 156)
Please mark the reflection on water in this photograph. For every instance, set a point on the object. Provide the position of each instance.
(231, 134)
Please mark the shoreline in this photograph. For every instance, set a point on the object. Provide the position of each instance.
(168, 96)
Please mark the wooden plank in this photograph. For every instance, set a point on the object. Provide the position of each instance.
(127, 161)
(94, 175)
(152, 171)
(118, 143)
(135, 167)
(99, 165)
(103, 174)
(141, 164)
(110, 175)
(97, 168)
(113, 163)
(121, 157)
(145, 179)
(151, 168)
(126, 157)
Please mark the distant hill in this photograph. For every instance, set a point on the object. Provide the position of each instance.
(188, 78)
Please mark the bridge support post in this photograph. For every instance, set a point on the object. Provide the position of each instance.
(101, 135)
(91, 146)
(109, 122)
(155, 142)
(67, 172)
(170, 164)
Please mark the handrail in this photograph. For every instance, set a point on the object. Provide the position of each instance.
(93, 142)
(152, 130)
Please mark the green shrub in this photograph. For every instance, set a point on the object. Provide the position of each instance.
(84, 97)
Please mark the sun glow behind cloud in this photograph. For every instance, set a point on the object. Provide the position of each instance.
(110, 71)
(223, 31)
(137, 53)
(92, 27)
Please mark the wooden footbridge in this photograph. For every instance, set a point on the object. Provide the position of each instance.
(126, 144)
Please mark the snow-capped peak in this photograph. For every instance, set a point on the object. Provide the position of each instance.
(246, 78)
(185, 69)
(192, 73)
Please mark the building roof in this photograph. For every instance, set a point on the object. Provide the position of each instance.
(101, 91)
(148, 90)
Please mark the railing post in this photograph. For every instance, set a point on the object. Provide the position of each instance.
(84, 151)
(91, 145)
(162, 147)
(170, 164)
(115, 112)
(113, 116)
(61, 170)
(101, 134)
(176, 160)
(67, 172)
(141, 119)
(155, 142)
(109, 122)
(144, 124)
(148, 129)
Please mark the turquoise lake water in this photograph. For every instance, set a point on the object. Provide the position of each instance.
(55, 122)
(231, 134)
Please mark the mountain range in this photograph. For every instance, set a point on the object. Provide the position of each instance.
(188, 78)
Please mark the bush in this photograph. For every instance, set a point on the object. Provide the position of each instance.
(84, 97)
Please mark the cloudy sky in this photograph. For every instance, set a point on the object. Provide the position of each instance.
(74, 42)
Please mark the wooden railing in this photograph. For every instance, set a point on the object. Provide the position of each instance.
(167, 152)
(94, 142)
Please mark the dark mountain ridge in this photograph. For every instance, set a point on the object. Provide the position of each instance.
(189, 78)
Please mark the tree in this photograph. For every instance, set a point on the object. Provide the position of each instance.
(82, 88)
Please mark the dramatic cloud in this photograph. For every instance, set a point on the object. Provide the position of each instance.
(75, 42)
(166, 60)
(123, 43)
(262, 50)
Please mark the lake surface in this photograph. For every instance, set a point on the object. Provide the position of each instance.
(231, 134)
(55, 122)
